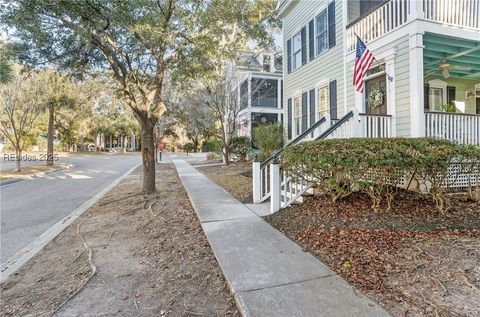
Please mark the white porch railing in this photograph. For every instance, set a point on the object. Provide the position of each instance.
(262, 172)
(270, 180)
(456, 127)
(462, 13)
(291, 189)
(394, 13)
(376, 126)
(381, 21)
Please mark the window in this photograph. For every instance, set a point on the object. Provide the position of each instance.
(266, 63)
(321, 29)
(435, 98)
(264, 92)
(297, 115)
(323, 105)
(297, 50)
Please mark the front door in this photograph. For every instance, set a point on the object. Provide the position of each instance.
(376, 95)
(478, 105)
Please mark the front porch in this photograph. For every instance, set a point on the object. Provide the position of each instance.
(443, 96)
(451, 69)
(431, 49)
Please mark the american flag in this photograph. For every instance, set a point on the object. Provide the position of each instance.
(363, 59)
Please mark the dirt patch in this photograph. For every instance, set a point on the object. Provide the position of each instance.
(150, 252)
(236, 178)
(413, 260)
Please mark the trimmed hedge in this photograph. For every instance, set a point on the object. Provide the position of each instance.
(376, 166)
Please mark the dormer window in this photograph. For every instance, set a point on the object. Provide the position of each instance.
(267, 63)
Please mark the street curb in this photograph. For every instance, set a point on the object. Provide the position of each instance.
(16, 261)
(33, 176)
(10, 181)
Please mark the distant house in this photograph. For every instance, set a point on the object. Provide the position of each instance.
(425, 80)
(260, 84)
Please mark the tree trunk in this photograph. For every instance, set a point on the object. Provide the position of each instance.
(51, 114)
(148, 156)
(226, 155)
(18, 157)
(82, 144)
(195, 144)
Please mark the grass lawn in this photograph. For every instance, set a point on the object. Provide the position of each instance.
(413, 260)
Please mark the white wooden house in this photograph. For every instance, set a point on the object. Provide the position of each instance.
(259, 78)
(426, 78)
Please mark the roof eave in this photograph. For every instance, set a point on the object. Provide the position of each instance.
(282, 7)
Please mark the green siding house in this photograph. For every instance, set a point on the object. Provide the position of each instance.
(425, 80)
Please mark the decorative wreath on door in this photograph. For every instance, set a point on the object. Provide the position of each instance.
(375, 98)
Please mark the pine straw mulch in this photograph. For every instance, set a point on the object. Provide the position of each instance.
(413, 260)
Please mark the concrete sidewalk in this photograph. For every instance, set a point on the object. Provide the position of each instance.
(268, 273)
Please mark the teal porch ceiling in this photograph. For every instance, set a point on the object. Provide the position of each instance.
(460, 57)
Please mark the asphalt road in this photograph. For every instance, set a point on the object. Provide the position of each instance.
(30, 207)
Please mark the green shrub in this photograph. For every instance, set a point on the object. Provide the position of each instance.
(240, 146)
(189, 147)
(211, 146)
(268, 138)
(376, 166)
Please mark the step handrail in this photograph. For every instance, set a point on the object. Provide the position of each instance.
(294, 141)
(335, 126)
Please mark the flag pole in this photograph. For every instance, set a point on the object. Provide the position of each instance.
(378, 63)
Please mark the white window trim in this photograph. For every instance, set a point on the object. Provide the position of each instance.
(294, 117)
(437, 83)
(315, 37)
(292, 55)
(317, 99)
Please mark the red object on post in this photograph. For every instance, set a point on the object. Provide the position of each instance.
(161, 145)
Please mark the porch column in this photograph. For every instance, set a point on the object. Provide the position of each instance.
(132, 142)
(391, 95)
(257, 182)
(249, 114)
(417, 115)
(279, 94)
(249, 91)
(275, 187)
(416, 10)
(249, 124)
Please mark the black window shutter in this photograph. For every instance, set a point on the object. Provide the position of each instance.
(311, 41)
(304, 45)
(289, 55)
(289, 118)
(304, 112)
(281, 93)
(312, 107)
(426, 99)
(333, 99)
(331, 25)
(450, 95)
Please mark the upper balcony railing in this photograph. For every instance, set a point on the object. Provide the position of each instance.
(395, 13)
(267, 102)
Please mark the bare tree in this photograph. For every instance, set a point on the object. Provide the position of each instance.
(220, 94)
(20, 106)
